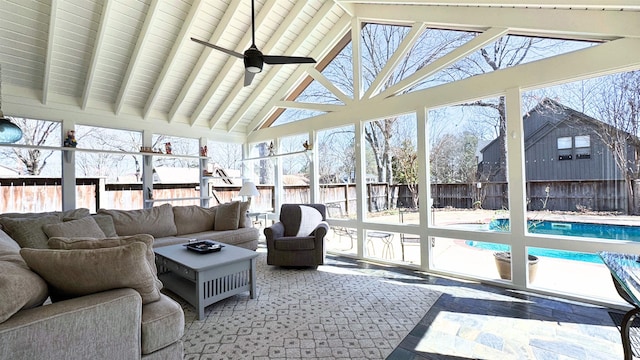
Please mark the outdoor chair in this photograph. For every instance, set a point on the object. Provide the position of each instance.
(298, 238)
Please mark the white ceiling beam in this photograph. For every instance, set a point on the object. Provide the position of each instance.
(243, 44)
(555, 4)
(183, 38)
(356, 50)
(95, 54)
(204, 57)
(328, 41)
(572, 23)
(320, 78)
(300, 39)
(444, 61)
(392, 63)
(135, 56)
(273, 40)
(49, 57)
(309, 106)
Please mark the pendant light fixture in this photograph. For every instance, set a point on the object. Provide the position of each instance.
(9, 132)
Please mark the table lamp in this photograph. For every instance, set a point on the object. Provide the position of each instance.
(248, 190)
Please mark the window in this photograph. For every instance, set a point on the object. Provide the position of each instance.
(564, 148)
(583, 147)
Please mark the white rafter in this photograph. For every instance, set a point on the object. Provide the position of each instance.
(320, 78)
(204, 57)
(95, 54)
(243, 44)
(328, 41)
(300, 39)
(135, 56)
(266, 48)
(406, 44)
(49, 57)
(183, 37)
(446, 60)
(356, 50)
(309, 106)
(551, 4)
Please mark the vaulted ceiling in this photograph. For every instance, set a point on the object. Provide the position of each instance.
(131, 64)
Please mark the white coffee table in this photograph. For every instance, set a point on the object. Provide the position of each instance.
(203, 279)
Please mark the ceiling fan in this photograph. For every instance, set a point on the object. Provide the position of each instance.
(254, 58)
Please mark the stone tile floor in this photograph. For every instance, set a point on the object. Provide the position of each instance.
(475, 321)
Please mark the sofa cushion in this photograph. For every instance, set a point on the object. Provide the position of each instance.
(192, 219)
(84, 227)
(105, 222)
(157, 221)
(27, 232)
(73, 273)
(63, 243)
(20, 288)
(162, 324)
(227, 216)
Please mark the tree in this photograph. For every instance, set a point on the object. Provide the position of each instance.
(405, 168)
(620, 112)
(37, 133)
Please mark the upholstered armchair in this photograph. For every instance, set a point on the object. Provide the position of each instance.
(298, 238)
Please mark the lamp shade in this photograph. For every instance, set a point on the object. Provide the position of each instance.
(249, 189)
(9, 132)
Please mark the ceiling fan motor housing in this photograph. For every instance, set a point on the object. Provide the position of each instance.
(253, 60)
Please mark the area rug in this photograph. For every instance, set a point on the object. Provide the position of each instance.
(340, 310)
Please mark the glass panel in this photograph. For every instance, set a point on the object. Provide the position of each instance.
(176, 178)
(467, 160)
(392, 167)
(564, 142)
(118, 173)
(30, 178)
(468, 257)
(342, 239)
(575, 273)
(336, 168)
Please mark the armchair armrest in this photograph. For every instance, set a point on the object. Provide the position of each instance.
(274, 231)
(321, 230)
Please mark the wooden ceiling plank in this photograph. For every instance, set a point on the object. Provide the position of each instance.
(300, 39)
(183, 38)
(135, 55)
(204, 56)
(243, 44)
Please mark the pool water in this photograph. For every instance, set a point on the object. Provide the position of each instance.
(602, 231)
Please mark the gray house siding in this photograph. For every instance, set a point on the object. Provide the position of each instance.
(542, 127)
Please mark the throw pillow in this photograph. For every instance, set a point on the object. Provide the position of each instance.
(310, 217)
(85, 227)
(73, 273)
(20, 289)
(105, 222)
(244, 220)
(157, 221)
(27, 232)
(193, 219)
(227, 216)
(63, 243)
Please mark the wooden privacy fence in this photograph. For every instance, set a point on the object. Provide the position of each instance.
(45, 194)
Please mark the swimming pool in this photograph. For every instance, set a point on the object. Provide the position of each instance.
(602, 231)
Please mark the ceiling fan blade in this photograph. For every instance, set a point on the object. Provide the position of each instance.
(248, 77)
(230, 52)
(279, 60)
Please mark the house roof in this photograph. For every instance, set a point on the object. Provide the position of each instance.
(132, 65)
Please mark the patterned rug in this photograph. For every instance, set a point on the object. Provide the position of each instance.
(340, 310)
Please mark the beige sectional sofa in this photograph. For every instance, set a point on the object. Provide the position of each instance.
(101, 300)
